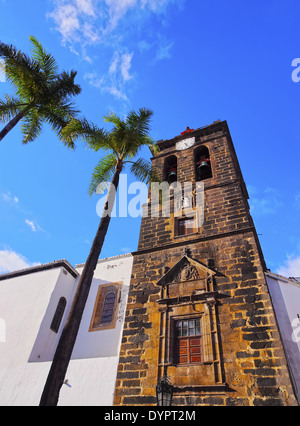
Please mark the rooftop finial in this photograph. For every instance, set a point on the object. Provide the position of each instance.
(187, 130)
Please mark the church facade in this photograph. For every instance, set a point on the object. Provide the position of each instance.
(194, 305)
(199, 311)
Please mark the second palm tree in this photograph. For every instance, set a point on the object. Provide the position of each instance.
(123, 143)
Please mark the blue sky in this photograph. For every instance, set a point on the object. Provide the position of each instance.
(192, 62)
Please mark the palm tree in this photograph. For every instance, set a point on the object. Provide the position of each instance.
(42, 93)
(122, 145)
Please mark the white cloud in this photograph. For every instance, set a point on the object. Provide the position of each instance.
(106, 83)
(66, 20)
(144, 46)
(126, 250)
(11, 199)
(114, 80)
(84, 24)
(86, 6)
(291, 268)
(74, 19)
(117, 93)
(14, 202)
(153, 4)
(90, 33)
(125, 65)
(94, 80)
(265, 203)
(141, 9)
(31, 225)
(34, 227)
(88, 21)
(114, 65)
(121, 65)
(117, 9)
(11, 261)
(164, 50)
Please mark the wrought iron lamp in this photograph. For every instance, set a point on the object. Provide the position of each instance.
(164, 392)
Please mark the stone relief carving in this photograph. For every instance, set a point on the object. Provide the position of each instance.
(187, 273)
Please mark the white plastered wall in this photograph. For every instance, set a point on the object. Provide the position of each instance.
(27, 306)
(285, 296)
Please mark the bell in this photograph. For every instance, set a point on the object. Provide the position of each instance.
(202, 164)
(203, 170)
(172, 177)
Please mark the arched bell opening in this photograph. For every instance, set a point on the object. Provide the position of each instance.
(170, 173)
(202, 163)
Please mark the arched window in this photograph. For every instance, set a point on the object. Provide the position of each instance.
(61, 306)
(108, 308)
(202, 163)
(170, 169)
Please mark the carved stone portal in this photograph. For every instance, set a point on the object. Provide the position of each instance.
(187, 293)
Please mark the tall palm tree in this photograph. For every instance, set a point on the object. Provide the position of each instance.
(122, 145)
(42, 93)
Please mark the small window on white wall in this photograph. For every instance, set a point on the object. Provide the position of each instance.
(56, 321)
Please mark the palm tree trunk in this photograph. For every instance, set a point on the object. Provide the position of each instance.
(14, 121)
(67, 340)
(11, 125)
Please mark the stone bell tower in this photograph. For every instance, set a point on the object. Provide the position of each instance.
(199, 311)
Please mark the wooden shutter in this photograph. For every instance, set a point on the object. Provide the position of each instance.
(195, 349)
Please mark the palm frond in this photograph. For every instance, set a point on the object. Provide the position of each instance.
(138, 130)
(58, 119)
(9, 107)
(38, 78)
(150, 143)
(140, 121)
(65, 86)
(31, 126)
(95, 137)
(118, 134)
(38, 85)
(114, 119)
(20, 70)
(46, 60)
(103, 174)
(129, 135)
(143, 171)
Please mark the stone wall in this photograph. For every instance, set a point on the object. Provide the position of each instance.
(243, 361)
